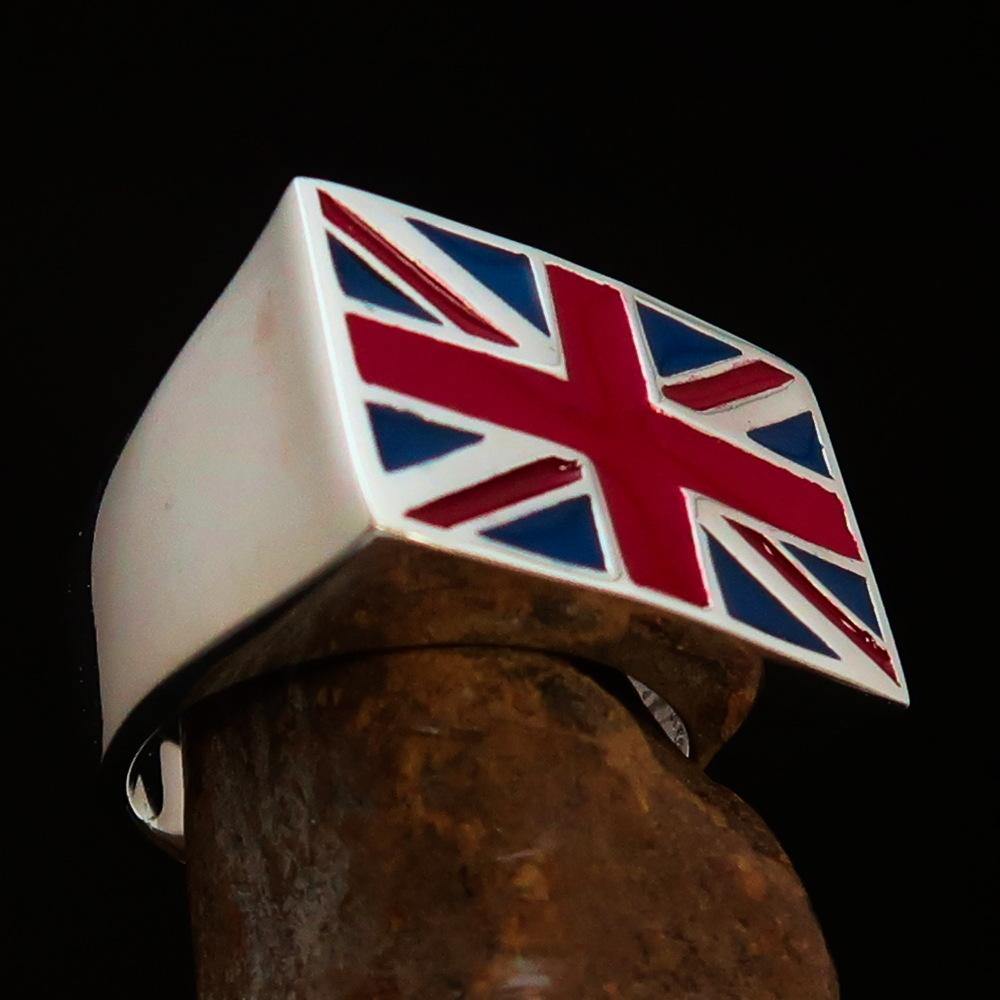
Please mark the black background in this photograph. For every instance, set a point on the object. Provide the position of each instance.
(817, 184)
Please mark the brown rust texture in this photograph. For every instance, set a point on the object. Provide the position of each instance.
(473, 823)
(393, 595)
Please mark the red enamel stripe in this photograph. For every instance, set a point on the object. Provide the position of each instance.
(643, 457)
(431, 288)
(866, 642)
(511, 487)
(737, 383)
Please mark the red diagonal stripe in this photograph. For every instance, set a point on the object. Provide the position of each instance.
(737, 383)
(866, 642)
(430, 287)
(511, 487)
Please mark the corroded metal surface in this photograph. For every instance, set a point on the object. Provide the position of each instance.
(470, 822)
(393, 595)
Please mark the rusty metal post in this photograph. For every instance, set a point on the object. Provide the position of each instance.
(472, 822)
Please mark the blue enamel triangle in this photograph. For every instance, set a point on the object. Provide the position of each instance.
(747, 601)
(362, 282)
(404, 439)
(850, 588)
(565, 531)
(677, 347)
(795, 438)
(505, 273)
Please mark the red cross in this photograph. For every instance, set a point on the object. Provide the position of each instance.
(643, 456)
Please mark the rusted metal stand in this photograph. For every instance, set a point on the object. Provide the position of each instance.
(474, 822)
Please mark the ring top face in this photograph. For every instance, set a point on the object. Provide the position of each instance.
(518, 408)
(375, 369)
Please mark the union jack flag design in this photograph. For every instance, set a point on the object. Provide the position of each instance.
(512, 406)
